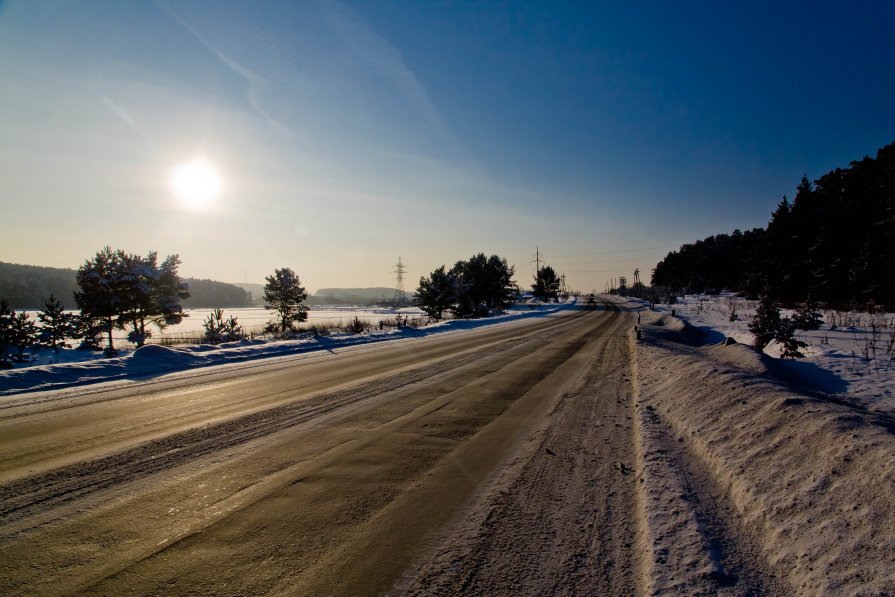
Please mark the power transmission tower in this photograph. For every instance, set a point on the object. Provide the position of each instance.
(399, 282)
(537, 260)
(636, 277)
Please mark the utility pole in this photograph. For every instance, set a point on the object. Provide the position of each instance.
(637, 277)
(399, 282)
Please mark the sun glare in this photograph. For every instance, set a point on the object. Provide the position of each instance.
(196, 183)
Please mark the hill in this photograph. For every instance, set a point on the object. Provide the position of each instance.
(255, 291)
(354, 296)
(28, 286)
(333, 296)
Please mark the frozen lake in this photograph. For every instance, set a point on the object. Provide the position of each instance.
(253, 319)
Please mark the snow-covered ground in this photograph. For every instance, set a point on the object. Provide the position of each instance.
(852, 353)
(732, 461)
(70, 367)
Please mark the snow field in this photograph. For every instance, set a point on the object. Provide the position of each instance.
(852, 353)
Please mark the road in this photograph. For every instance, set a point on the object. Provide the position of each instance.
(492, 461)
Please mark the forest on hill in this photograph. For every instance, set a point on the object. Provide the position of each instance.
(354, 296)
(28, 286)
(834, 242)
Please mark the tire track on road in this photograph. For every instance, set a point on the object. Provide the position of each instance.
(45, 491)
(560, 518)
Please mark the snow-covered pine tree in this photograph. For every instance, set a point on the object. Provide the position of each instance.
(151, 294)
(767, 325)
(100, 297)
(124, 290)
(137, 281)
(218, 329)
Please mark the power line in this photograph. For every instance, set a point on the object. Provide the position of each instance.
(597, 271)
(616, 252)
(596, 261)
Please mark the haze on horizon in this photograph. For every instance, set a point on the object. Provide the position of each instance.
(332, 136)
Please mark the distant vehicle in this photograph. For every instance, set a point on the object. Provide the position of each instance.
(591, 299)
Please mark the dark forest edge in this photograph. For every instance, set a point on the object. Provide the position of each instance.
(834, 243)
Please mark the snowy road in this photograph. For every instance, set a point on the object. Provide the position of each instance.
(543, 456)
(329, 474)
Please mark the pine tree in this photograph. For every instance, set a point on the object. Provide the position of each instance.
(766, 323)
(284, 294)
(168, 291)
(485, 284)
(56, 324)
(501, 290)
(786, 336)
(808, 316)
(101, 297)
(546, 285)
(218, 329)
(437, 293)
(23, 334)
(124, 290)
(6, 334)
(89, 330)
(150, 294)
(136, 279)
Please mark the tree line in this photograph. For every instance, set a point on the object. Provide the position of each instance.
(834, 242)
(28, 286)
(478, 286)
(120, 290)
(117, 290)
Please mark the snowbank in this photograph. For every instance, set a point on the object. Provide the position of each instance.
(811, 475)
(849, 356)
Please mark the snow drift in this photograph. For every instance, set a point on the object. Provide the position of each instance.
(811, 475)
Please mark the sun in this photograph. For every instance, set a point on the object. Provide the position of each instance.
(196, 183)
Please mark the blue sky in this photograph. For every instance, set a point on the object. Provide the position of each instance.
(350, 133)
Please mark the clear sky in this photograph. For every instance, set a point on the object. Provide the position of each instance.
(346, 134)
